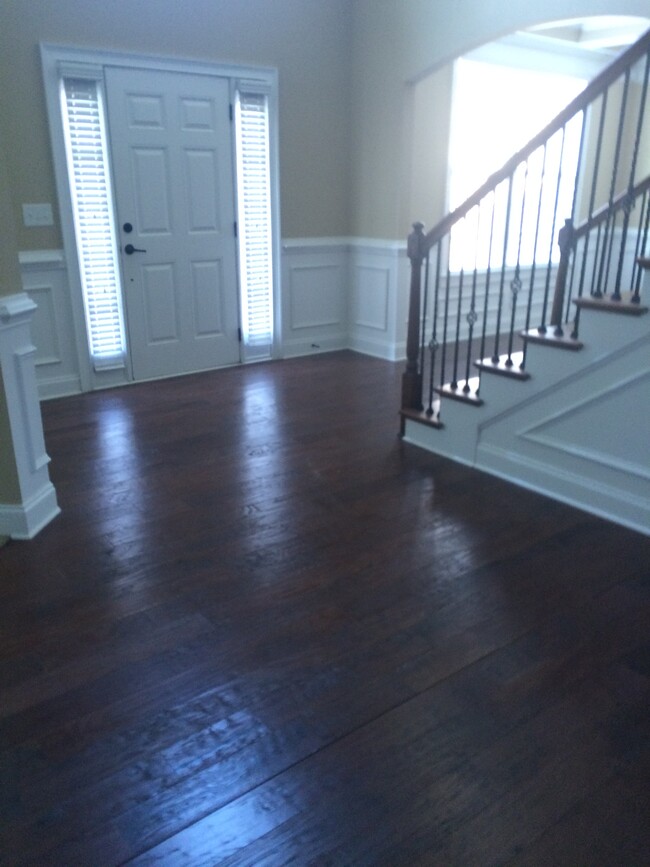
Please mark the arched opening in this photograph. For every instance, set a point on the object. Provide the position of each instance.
(470, 115)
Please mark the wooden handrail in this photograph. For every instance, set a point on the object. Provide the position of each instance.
(607, 210)
(591, 92)
(420, 244)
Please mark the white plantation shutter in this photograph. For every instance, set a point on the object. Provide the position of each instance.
(254, 217)
(91, 195)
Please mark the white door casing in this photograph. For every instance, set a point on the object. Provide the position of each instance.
(171, 153)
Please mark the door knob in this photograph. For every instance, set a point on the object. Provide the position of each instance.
(130, 250)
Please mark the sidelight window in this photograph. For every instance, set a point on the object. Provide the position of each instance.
(90, 190)
(254, 217)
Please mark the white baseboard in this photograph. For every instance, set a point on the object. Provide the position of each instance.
(587, 494)
(294, 347)
(58, 386)
(24, 521)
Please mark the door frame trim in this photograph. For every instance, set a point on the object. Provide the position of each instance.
(53, 57)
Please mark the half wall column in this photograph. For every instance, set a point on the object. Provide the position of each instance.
(35, 498)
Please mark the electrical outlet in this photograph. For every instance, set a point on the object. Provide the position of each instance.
(38, 215)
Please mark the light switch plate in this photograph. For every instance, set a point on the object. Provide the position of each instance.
(38, 215)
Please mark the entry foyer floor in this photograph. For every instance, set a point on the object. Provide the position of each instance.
(265, 632)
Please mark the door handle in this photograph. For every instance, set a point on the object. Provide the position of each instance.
(130, 250)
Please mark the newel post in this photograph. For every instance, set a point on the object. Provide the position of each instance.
(565, 243)
(412, 377)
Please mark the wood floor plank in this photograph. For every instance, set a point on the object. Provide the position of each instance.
(264, 631)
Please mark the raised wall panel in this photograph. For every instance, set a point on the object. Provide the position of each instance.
(372, 286)
(315, 301)
(45, 330)
(375, 325)
(45, 280)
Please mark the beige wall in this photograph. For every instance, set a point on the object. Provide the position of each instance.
(396, 43)
(308, 41)
(348, 72)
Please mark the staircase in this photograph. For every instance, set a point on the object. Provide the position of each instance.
(528, 352)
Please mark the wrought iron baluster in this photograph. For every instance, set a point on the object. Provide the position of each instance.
(445, 320)
(629, 204)
(425, 302)
(581, 154)
(567, 309)
(488, 274)
(533, 270)
(595, 289)
(515, 285)
(433, 346)
(549, 266)
(636, 296)
(502, 280)
(616, 295)
(454, 376)
(471, 315)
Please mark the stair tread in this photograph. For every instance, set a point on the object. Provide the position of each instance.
(465, 391)
(551, 339)
(422, 416)
(607, 304)
(501, 366)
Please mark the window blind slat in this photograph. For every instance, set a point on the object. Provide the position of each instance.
(254, 205)
(90, 189)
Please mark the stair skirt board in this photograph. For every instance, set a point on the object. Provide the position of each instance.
(604, 501)
(528, 432)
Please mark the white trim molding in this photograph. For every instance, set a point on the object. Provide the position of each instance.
(38, 504)
(336, 293)
(45, 281)
(342, 293)
(314, 295)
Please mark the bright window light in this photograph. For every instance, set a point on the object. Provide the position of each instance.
(83, 120)
(496, 110)
(254, 217)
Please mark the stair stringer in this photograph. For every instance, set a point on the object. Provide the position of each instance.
(550, 434)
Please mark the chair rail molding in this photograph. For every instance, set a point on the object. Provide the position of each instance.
(38, 504)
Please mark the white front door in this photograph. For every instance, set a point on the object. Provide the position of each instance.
(171, 152)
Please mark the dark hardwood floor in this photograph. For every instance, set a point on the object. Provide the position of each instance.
(265, 632)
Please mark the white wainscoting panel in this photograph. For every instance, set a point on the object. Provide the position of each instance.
(337, 293)
(344, 293)
(38, 503)
(376, 326)
(45, 280)
(314, 295)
